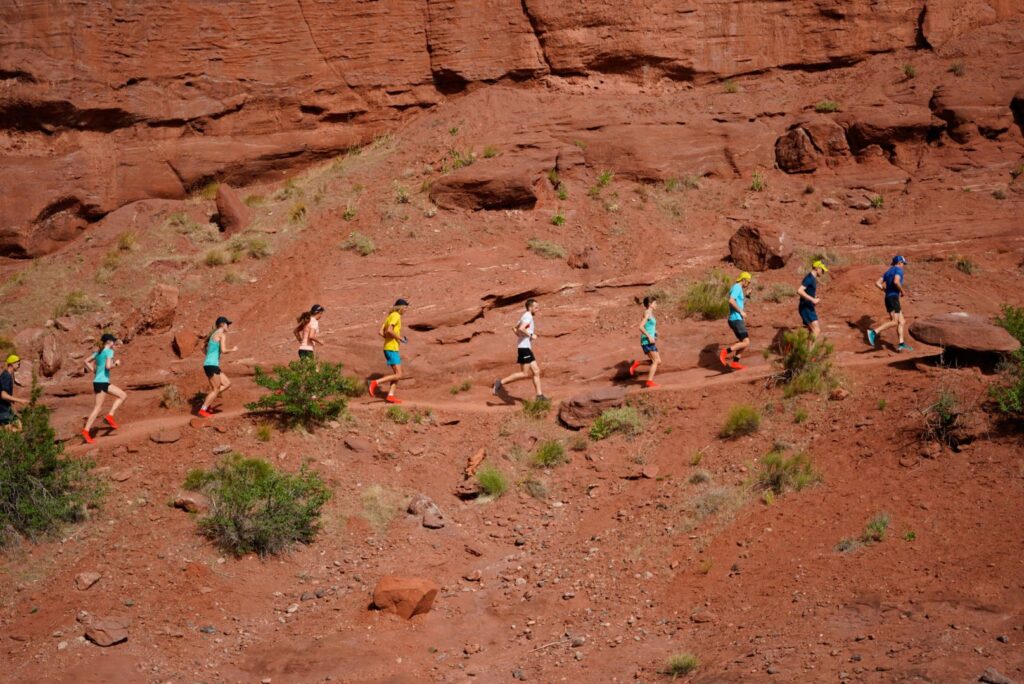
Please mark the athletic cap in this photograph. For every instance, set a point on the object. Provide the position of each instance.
(316, 309)
(13, 359)
(898, 260)
(743, 276)
(401, 302)
(820, 265)
(222, 319)
(108, 337)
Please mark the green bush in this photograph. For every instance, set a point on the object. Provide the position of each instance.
(743, 419)
(549, 454)
(877, 202)
(256, 508)
(1009, 392)
(40, 489)
(359, 243)
(537, 408)
(758, 183)
(909, 71)
(492, 481)
(625, 420)
(779, 292)
(215, 257)
(964, 265)
(958, 68)
(464, 386)
(875, 529)
(398, 415)
(709, 298)
(806, 367)
(558, 218)
(944, 418)
(826, 107)
(778, 474)
(304, 392)
(681, 664)
(548, 250)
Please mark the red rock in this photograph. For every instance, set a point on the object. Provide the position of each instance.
(487, 186)
(649, 472)
(405, 596)
(795, 153)
(169, 436)
(963, 331)
(198, 423)
(50, 359)
(85, 580)
(474, 462)
(583, 258)
(358, 444)
(756, 247)
(184, 343)
(192, 502)
(580, 410)
(971, 105)
(107, 631)
(232, 214)
(838, 394)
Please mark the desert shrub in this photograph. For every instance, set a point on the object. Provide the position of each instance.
(778, 473)
(40, 488)
(535, 488)
(909, 71)
(999, 194)
(943, 418)
(877, 202)
(359, 243)
(800, 415)
(209, 191)
(778, 292)
(254, 200)
(549, 454)
(170, 397)
(215, 257)
(743, 419)
(492, 481)
(464, 386)
(111, 260)
(548, 250)
(255, 508)
(709, 297)
(681, 664)
(958, 68)
(874, 530)
(826, 106)
(252, 246)
(699, 477)
(909, 536)
(1009, 391)
(964, 265)
(306, 393)
(461, 159)
(558, 218)
(1017, 171)
(490, 151)
(75, 303)
(349, 214)
(401, 194)
(625, 420)
(398, 415)
(290, 190)
(604, 178)
(847, 544)
(297, 213)
(380, 505)
(806, 367)
(538, 407)
(126, 241)
(264, 432)
(758, 182)
(563, 194)
(730, 86)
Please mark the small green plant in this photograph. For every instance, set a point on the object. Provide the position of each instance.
(999, 194)
(778, 473)
(800, 415)
(807, 365)
(215, 257)
(461, 159)
(875, 529)
(297, 213)
(579, 443)
(909, 536)
(490, 152)
(697, 457)
(252, 246)
(563, 194)
(401, 194)
(1009, 391)
(964, 265)
(111, 260)
(303, 393)
(209, 191)
(877, 202)
(1017, 171)
(958, 68)
(909, 71)
(624, 420)
(549, 454)
(709, 297)
(672, 184)
(681, 664)
(743, 419)
(699, 477)
(758, 183)
(398, 415)
(605, 178)
(264, 432)
(826, 107)
(349, 214)
(537, 408)
(464, 386)
(75, 303)
(290, 190)
(546, 249)
(493, 482)
(359, 243)
(256, 508)
(454, 130)
(730, 86)
(558, 218)
(126, 241)
(882, 403)
(943, 419)
(254, 200)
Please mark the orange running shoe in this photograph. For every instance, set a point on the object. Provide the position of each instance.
(110, 421)
(88, 437)
(204, 413)
(372, 388)
(736, 365)
(651, 383)
(633, 367)
(393, 400)
(723, 356)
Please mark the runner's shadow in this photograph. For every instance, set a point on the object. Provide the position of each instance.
(862, 325)
(620, 373)
(708, 359)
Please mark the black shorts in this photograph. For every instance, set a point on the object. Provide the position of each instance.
(305, 353)
(211, 371)
(524, 355)
(7, 418)
(100, 387)
(892, 304)
(739, 329)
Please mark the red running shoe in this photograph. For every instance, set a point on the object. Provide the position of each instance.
(372, 387)
(393, 400)
(88, 437)
(633, 367)
(651, 383)
(110, 421)
(736, 365)
(723, 356)
(203, 413)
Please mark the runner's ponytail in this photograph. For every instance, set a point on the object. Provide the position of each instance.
(303, 321)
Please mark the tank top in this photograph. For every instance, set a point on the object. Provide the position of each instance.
(212, 352)
(651, 328)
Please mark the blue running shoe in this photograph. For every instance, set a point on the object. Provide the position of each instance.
(904, 347)
(872, 337)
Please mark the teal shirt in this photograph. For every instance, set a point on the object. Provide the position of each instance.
(212, 352)
(102, 374)
(651, 331)
(736, 292)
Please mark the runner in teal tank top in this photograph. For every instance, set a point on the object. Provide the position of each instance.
(216, 344)
(101, 362)
(649, 341)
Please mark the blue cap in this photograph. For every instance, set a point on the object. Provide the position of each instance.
(898, 260)
(401, 302)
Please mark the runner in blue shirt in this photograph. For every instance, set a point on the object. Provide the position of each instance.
(809, 298)
(737, 322)
(102, 362)
(648, 341)
(892, 284)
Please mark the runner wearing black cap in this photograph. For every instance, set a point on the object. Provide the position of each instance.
(307, 332)
(102, 362)
(391, 331)
(891, 283)
(216, 344)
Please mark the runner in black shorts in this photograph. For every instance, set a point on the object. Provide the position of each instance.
(737, 323)
(891, 283)
(648, 341)
(216, 344)
(526, 331)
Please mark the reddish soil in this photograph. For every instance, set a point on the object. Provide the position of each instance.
(611, 572)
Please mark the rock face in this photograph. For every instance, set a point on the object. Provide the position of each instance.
(50, 359)
(405, 596)
(579, 411)
(156, 315)
(756, 247)
(810, 144)
(963, 331)
(478, 187)
(232, 214)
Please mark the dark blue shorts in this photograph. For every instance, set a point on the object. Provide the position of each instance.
(892, 303)
(739, 329)
(100, 387)
(808, 315)
(211, 371)
(648, 348)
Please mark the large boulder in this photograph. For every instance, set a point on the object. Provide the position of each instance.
(756, 247)
(486, 186)
(49, 358)
(405, 596)
(232, 214)
(184, 343)
(965, 331)
(970, 106)
(105, 631)
(579, 411)
(808, 144)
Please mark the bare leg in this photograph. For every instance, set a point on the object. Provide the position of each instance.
(119, 395)
(738, 347)
(900, 324)
(815, 329)
(535, 372)
(518, 375)
(396, 375)
(97, 407)
(215, 390)
(893, 320)
(655, 358)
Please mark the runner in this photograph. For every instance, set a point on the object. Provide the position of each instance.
(8, 419)
(526, 331)
(307, 332)
(737, 322)
(891, 283)
(391, 331)
(216, 344)
(648, 341)
(809, 298)
(101, 362)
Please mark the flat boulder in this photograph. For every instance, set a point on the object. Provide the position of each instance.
(405, 596)
(960, 330)
(756, 247)
(192, 502)
(232, 214)
(486, 186)
(168, 436)
(582, 409)
(106, 631)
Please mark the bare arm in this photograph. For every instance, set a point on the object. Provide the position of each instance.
(898, 282)
(224, 344)
(880, 284)
(802, 291)
(389, 333)
(10, 397)
(643, 330)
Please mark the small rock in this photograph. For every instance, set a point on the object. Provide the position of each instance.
(578, 641)
(307, 596)
(292, 608)
(994, 676)
(107, 631)
(649, 472)
(519, 674)
(704, 616)
(568, 595)
(830, 203)
(121, 475)
(198, 423)
(358, 444)
(192, 502)
(520, 541)
(84, 580)
(838, 394)
(473, 576)
(208, 629)
(470, 649)
(405, 596)
(222, 449)
(772, 670)
(1003, 639)
(165, 436)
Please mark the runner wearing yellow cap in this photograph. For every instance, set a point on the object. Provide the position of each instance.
(8, 419)
(808, 292)
(737, 322)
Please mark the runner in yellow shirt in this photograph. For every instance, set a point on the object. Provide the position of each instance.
(391, 331)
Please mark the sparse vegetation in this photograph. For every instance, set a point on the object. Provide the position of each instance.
(209, 191)
(264, 432)
(127, 241)
(1017, 171)
(605, 178)
(380, 505)
(847, 544)
(290, 190)
(297, 213)
(699, 477)
(546, 249)
(943, 419)
(624, 420)
(493, 482)
(537, 408)
(800, 415)
(875, 529)
(807, 366)
(909, 536)
(215, 257)
(256, 508)
(490, 152)
(778, 292)
(877, 202)
(882, 403)
(75, 303)
(964, 265)
(826, 107)
(909, 71)
(349, 214)
(303, 393)
(999, 194)
(958, 68)
(359, 243)
(758, 183)
(401, 194)
(254, 200)
(461, 159)
(681, 664)
(464, 386)
(252, 246)
(454, 130)
(743, 419)
(1009, 392)
(779, 474)
(549, 454)
(558, 218)
(170, 397)
(730, 86)
(709, 298)
(535, 488)
(397, 414)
